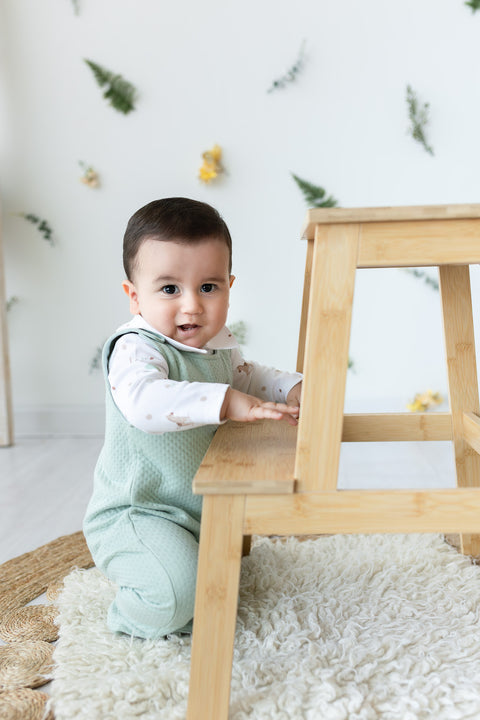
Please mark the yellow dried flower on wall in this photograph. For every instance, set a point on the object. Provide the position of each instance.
(212, 166)
(90, 176)
(424, 401)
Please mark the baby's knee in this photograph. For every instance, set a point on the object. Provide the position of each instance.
(163, 606)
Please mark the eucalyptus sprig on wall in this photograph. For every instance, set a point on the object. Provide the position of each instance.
(12, 301)
(315, 196)
(120, 93)
(422, 275)
(418, 115)
(96, 361)
(42, 226)
(474, 4)
(239, 331)
(292, 73)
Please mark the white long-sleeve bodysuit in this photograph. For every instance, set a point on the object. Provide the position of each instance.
(149, 400)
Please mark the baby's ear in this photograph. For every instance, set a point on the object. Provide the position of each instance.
(129, 289)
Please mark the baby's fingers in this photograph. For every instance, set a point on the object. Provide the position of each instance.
(276, 411)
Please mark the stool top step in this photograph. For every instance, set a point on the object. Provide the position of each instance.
(386, 214)
(249, 458)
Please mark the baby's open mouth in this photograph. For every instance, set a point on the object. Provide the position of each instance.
(185, 328)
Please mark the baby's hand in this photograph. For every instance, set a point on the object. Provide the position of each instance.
(247, 408)
(293, 397)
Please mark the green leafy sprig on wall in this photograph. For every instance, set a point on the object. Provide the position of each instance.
(239, 331)
(291, 74)
(315, 195)
(76, 7)
(96, 361)
(42, 226)
(120, 93)
(418, 116)
(422, 275)
(11, 302)
(474, 4)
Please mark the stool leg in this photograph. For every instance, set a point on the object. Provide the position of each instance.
(462, 376)
(216, 600)
(326, 356)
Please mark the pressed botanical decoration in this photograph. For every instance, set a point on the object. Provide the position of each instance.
(90, 176)
(212, 166)
(422, 275)
(120, 93)
(11, 302)
(291, 74)
(315, 196)
(425, 401)
(474, 4)
(418, 115)
(96, 361)
(239, 331)
(42, 226)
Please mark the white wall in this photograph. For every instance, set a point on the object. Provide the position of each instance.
(202, 70)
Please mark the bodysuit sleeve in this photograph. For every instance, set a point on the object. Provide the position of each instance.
(264, 382)
(149, 399)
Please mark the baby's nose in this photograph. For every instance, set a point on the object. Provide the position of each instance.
(192, 304)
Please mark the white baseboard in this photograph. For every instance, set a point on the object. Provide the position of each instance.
(89, 420)
(59, 421)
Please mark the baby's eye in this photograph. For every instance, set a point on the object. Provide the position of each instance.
(208, 287)
(169, 289)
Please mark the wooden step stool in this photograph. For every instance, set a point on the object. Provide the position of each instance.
(265, 478)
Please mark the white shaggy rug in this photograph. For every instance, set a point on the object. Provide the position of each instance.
(339, 628)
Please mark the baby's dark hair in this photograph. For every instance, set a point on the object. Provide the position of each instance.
(176, 219)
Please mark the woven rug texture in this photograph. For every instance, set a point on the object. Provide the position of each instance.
(337, 628)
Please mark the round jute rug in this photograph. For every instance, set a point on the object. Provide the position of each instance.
(34, 622)
(26, 662)
(23, 704)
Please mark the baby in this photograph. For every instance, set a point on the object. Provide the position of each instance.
(173, 374)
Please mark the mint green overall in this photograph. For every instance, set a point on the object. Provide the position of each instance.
(143, 521)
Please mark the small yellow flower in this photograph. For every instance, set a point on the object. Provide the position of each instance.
(211, 167)
(424, 401)
(213, 155)
(90, 176)
(207, 173)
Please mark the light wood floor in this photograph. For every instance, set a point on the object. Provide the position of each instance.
(45, 483)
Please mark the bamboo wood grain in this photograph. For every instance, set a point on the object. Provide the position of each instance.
(6, 416)
(254, 457)
(419, 243)
(259, 458)
(326, 357)
(471, 430)
(389, 427)
(306, 295)
(247, 459)
(365, 511)
(386, 214)
(215, 606)
(462, 375)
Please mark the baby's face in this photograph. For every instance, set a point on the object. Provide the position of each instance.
(182, 290)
